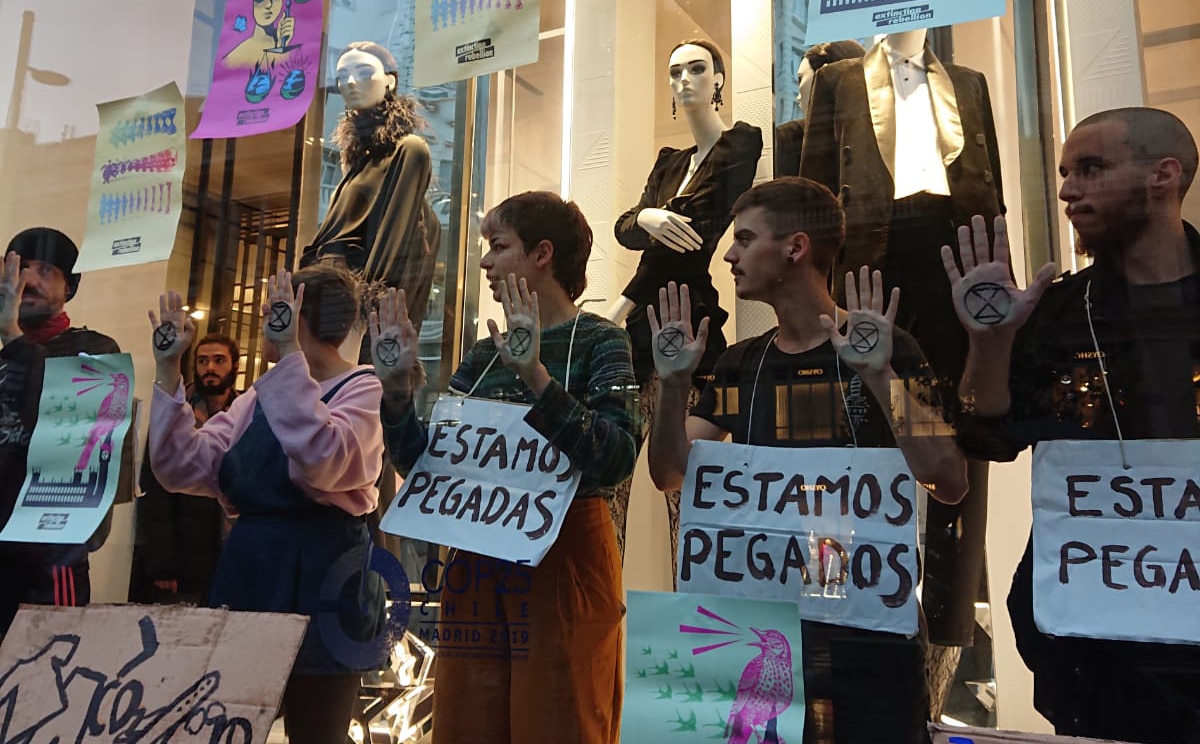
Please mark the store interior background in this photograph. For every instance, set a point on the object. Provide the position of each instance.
(576, 122)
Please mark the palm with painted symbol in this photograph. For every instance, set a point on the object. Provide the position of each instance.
(867, 344)
(985, 298)
(521, 349)
(677, 352)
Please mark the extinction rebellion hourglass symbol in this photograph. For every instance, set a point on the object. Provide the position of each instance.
(519, 341)
(864, 336)
(988, 302)
(670, 342)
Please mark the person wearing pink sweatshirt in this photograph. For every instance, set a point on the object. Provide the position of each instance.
(295, 460)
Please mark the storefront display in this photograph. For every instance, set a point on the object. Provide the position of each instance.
(924, 116)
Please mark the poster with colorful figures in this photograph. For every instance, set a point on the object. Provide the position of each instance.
(137, 181)
(266, 68)
(74, 459)
(460, 39)
(700, 667)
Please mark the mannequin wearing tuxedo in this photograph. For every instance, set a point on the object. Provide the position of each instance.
(909, 145)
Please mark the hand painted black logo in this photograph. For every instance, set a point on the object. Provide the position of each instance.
(3, 302)
(388, 352)
(864, 336)
(164, 336)
(519, 341)
(988, 303)
(670, 342)
(281, 317)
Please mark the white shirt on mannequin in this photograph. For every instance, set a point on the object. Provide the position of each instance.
(918, 164)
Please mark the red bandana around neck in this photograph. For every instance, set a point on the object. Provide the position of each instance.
(48, 330)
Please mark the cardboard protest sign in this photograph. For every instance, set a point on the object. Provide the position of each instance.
(832, 529)
(964, 735)
(137, 181)
(131, 673)
(75, 451)
(460, 39)
(832, 20)
(266, 68)
(700, 667)
(1122, 543)
(487, 483)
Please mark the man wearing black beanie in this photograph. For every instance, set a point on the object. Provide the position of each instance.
(36, 283)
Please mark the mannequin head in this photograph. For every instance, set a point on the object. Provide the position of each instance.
(697, 73)
(817, 57)
(366, 75)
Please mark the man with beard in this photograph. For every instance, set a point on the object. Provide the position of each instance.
(179, 536)
(36, 284)
(1122, 335)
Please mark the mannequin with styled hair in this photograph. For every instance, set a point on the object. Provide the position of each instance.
(684, 209)
(379, 223)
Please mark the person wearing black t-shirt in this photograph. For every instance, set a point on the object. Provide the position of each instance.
(1042, 367)
(824, 377)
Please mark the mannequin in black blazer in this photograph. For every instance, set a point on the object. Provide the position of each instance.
(789, 136)
(851, 146)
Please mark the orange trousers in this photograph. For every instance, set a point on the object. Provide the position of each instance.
(533, 654)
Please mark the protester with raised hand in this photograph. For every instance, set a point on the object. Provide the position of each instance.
(575, 372)
(824, 377)
(295, 460)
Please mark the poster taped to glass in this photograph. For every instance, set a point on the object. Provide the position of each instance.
(831, 20)
(460, 39)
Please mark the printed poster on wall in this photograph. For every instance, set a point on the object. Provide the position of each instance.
(699, 667)
(135, 673)
(137, 181)
(1121, 542)
(74, 460)
(833, 20)
(487, 482)
(266, 69)
(833, 529)
(460, 39)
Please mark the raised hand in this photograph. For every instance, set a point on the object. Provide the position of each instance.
(520, 349)
(12, 286)
(393, 341)
(173, 329)
(677, 352)
(281, 313)
(670, 229)
(867, 344)
(986, 300)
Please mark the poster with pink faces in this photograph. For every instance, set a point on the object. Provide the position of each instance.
(266, 68)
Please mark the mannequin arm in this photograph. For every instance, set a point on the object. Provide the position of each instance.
(627, 230)
(620, 309)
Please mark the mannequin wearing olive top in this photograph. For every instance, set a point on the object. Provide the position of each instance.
(379, 222)
(684, 209)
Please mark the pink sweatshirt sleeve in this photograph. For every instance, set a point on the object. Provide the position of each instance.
(335, 451)
(186, 459)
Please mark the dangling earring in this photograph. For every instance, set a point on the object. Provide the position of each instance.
(716, 99)
(673, 116)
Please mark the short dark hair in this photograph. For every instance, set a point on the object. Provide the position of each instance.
(1154, 134)
(793, 204)
(711, 48)
(542, 215)
(332, 301)
(235, 354)
(822, 54)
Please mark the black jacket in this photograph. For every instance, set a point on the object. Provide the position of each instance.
(35, 573)
(1137, 692)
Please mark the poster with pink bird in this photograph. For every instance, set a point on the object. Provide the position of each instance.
(266, 68)
(74, 461)
(701, 668)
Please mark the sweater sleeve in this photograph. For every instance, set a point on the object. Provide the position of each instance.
(185, 459)
(394, 230)
(335, 449)
(601, 434)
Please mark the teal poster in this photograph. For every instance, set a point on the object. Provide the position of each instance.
(74, 460)
(705, 668)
